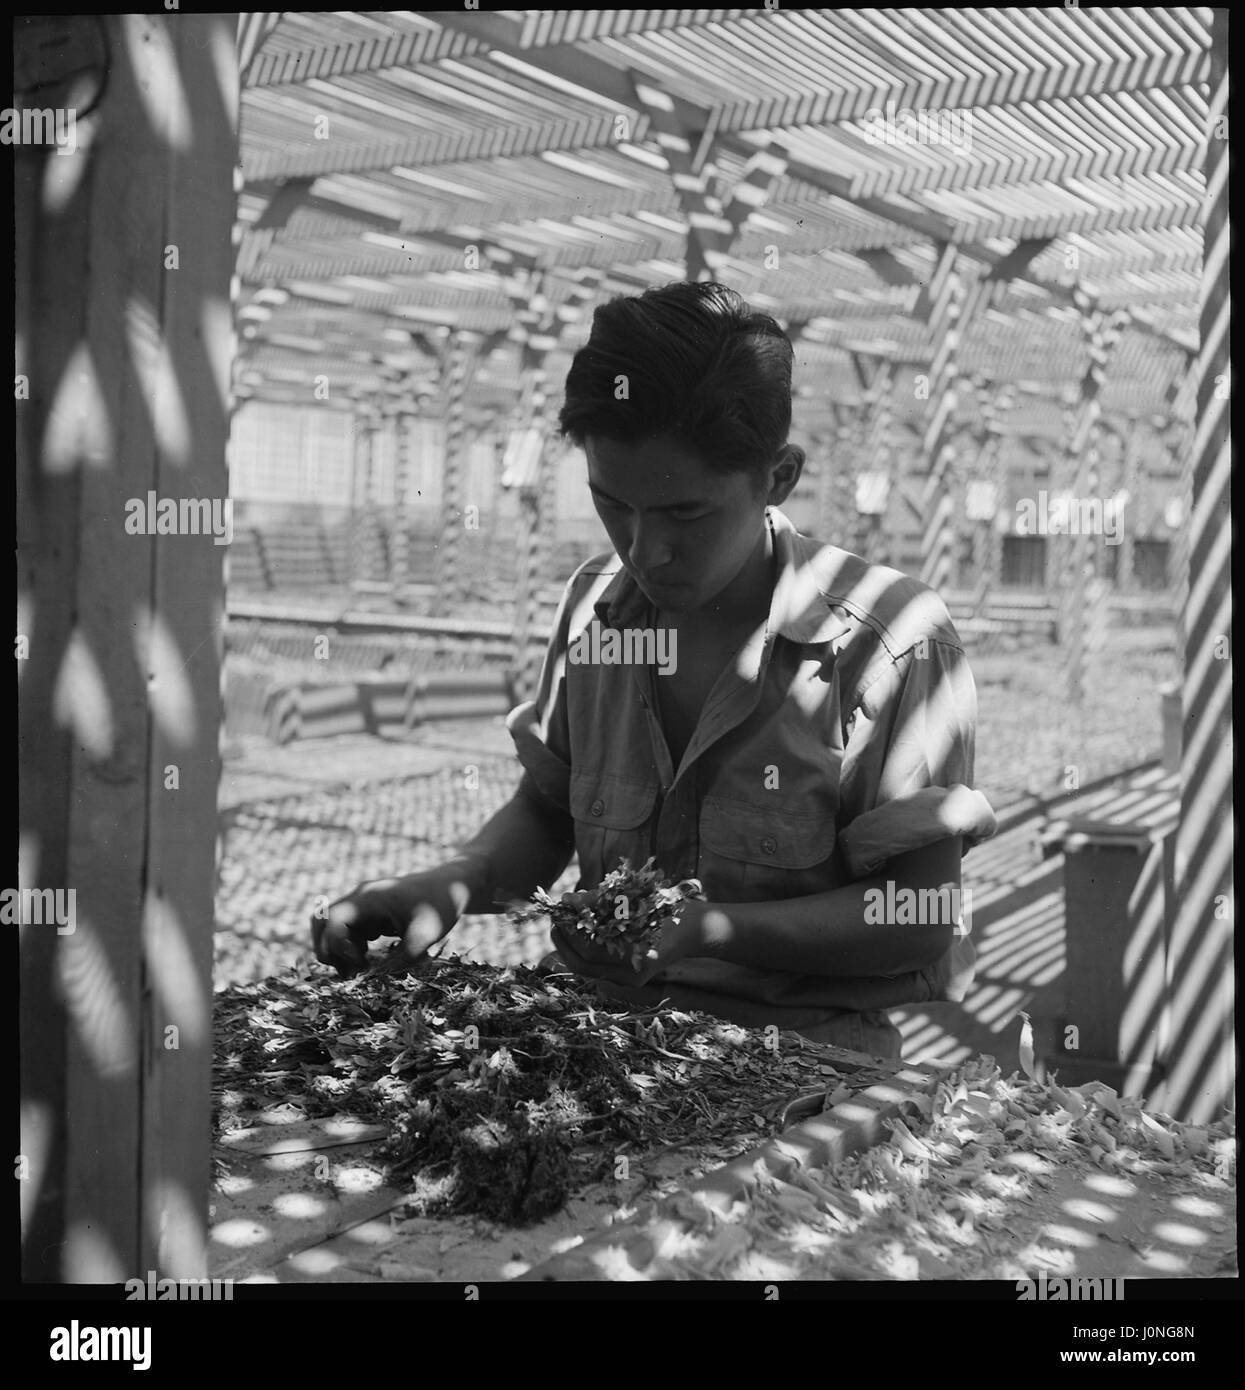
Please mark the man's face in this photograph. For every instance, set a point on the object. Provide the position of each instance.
(682, 531)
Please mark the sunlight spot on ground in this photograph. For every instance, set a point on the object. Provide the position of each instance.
(1110, 1184)
(299, 1206)
(1089, 1211)
(240, 1233)
(1197, 1206)
(1167, 1260)
(1070, 1235)
(1175, 1233)
(316, 1261)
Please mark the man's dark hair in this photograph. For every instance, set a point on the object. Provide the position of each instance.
(702, 368)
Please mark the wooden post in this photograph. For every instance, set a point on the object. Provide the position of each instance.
(457, 370)
(1078, 571)
(124, 260)
(1199, 1051)
(1177, 440)
(361, 462)
(1130, 481)
(540, 330)
(950, 305)
(877, 450)
(534, 496)
(837, 485)
(400, 546)
(995, 402)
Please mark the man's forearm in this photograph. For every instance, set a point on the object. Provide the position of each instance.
(521, 848)
(848, 931)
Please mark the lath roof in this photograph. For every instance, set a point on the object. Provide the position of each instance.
(376, 147)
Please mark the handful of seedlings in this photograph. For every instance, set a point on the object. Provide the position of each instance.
(625, 913)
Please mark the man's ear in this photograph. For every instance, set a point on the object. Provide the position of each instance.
(784, 473)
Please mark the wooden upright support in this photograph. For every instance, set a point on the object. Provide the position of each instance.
(533, 500)
(365, 560)
(1130, 482)
(124, 260)
(458, 366)
(1177, 440)
(837, 479)
(995, 403)
(1200, 1047)
(400, 543)
(1081, 594)
(877, 453)
(541, 329)
(948, 305)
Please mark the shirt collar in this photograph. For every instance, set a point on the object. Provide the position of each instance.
(800, 609)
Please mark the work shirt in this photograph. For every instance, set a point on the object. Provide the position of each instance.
(840, 735)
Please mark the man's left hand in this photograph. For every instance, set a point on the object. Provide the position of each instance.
(594, 962)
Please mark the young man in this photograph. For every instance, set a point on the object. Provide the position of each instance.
(804, 746)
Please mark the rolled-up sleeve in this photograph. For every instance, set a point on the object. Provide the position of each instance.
(908, 762)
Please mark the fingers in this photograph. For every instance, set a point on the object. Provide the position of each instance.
(336, 944)
(344, 953)
(424, 930)
(339, 937)
(568, 948)
(341, 932)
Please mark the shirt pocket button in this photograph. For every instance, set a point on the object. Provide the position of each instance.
(597, 808)
(768, 845)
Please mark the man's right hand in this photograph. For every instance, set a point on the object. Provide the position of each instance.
(418, 908)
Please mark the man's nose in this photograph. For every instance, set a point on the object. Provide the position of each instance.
(649, 550)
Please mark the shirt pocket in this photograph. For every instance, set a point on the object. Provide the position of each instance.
(613, 818)
(751, 851)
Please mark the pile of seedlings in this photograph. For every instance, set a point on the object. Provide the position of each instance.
(504, 1089)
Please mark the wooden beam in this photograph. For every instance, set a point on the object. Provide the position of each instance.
(288, 195)
(1018, 260)
(942, 229)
